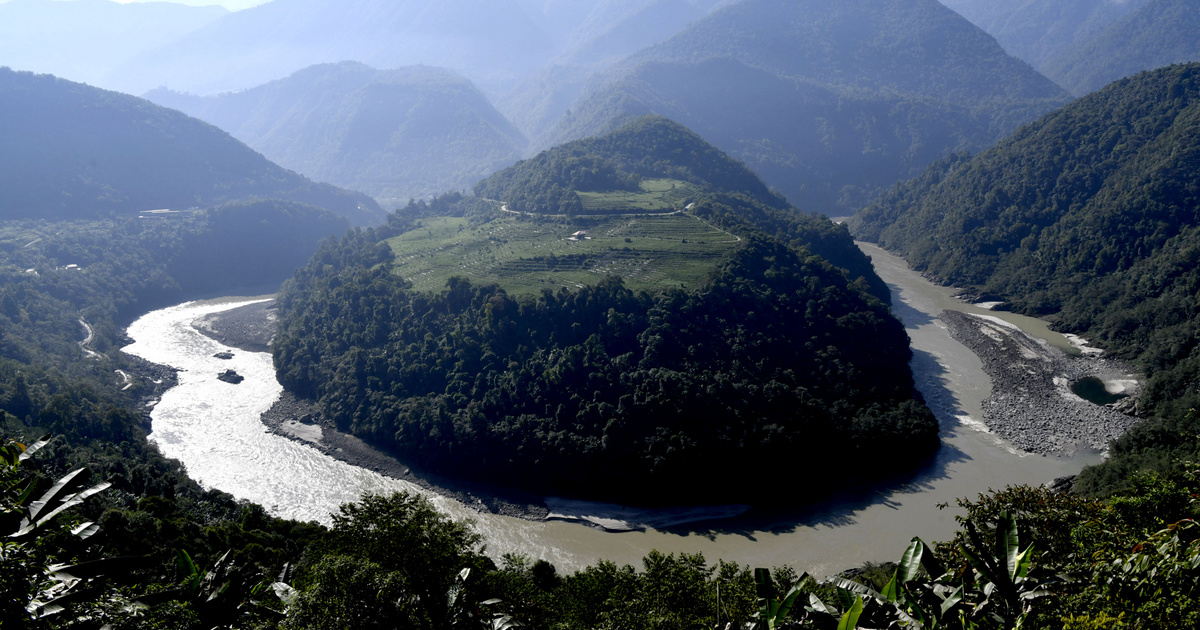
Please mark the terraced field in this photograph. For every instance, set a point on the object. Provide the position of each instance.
(656, 195)
(525, 255)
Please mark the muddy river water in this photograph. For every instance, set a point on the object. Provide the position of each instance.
(214, 429)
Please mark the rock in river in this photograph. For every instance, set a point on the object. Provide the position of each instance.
(229, 376)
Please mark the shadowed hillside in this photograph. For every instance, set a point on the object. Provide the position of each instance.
(74, 151)
(829, 101)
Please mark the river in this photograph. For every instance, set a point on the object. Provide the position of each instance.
(214, 429)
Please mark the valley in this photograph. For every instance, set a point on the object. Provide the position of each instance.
(549, 327)
(871, 521)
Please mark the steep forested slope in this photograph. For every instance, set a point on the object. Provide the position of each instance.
(1160, 33)
(74, 151)
(1093, 213)
(393, 134)
(828, 101)
(1039, 31)
(600, 391)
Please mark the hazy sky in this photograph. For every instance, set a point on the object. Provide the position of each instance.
(232, 5)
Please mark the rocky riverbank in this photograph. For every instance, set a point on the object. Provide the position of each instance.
(1031, 404)
(250, 327)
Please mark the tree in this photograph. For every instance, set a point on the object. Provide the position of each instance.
(388, 556)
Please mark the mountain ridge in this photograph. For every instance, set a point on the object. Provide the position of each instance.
(393, 134)
(79, 151)
(723, 72)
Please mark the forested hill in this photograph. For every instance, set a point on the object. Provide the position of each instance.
(829, 101)
(651, 146)
(1093, 213)
(1160, 33)
(73, 151)
(777, 365)
(655, 147)
(393, 134)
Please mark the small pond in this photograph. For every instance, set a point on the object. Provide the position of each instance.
(1093, 390)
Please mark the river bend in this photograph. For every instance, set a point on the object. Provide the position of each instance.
(214, 429)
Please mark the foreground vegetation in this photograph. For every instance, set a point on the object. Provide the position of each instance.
(1024, 558)
(66, 291)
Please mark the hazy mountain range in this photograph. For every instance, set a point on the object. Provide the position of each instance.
(83, 40)
(395, 134)
(1160, 33)
(828, 101)
(1039, 31)
(75, 151)
(492, 42)
(1085, 44)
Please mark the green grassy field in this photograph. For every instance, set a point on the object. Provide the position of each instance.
(525, 255)
(657, 195)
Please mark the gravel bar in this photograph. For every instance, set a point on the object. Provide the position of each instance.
(1031, 404)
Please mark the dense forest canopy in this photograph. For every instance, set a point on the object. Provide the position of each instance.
(77, 152)
(605, 392)
(1091, 214)
(601, 392)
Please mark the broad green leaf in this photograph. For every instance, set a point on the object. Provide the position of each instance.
(978, 564)
(68, 503)
(856, 588)
(818, 605)
(1008, 545)
(910, 563)
(190, 573)
(96, 568)
(86, 530)
(785, 606)
(952, 600)
(933, 567)
(28, 451)
(64, 487)
(850, 619)
(891, 591)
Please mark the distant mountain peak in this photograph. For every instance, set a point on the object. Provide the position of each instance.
(409, 132)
